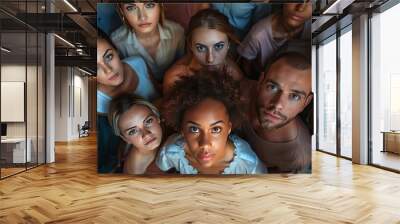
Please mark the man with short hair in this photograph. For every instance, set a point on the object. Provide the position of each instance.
(273, 129)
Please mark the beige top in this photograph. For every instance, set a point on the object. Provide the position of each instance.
(170, 48)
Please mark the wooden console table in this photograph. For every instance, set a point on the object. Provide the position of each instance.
(391, 141)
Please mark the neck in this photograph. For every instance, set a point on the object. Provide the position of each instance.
(283, 134)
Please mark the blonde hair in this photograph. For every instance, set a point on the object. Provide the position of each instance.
(121, 104)
(121, 14)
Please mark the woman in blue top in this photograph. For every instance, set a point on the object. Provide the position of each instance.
(203, 109)
(115, 77)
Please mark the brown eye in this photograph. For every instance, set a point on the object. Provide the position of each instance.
(216, 130)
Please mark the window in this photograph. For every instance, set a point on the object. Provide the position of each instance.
(326, 98)
(346, 75)
(385, 88)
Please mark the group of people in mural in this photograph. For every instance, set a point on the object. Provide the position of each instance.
(216, 88)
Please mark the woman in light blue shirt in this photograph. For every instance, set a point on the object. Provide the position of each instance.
(116, 77)
(147, 34)
(203, 109)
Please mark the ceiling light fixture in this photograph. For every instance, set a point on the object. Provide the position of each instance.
(5, 49)
(70, 5)
(84, 71)
(65, 41)
(337, 7)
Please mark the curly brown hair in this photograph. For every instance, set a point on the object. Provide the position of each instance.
(191, 90)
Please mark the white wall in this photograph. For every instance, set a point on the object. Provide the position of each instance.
(71, 94)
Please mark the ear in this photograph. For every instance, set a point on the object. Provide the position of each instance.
(308, 100)
(123, 138)
(230, 127)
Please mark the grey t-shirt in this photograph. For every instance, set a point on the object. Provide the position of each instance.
(259, 42)
(291, 156)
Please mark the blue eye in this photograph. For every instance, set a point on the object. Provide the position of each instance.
(219, 46)
(149, 5)
(132, 131)
(272, 87)
(193, 129)
(201, 48)
(216, 130)
(149, 121)
(108, 57)
(131, 8)
(294, 97)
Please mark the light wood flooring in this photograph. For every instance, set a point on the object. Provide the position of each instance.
(70, 191)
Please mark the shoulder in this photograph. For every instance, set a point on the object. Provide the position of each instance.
(173, 146)
(173, 28)
(119, 34)
(261, 27)
(243, 149)
(173, 74)
(233, 69)
(135, 61)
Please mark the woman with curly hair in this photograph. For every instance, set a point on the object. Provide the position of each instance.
(209, 37)
(203, 109)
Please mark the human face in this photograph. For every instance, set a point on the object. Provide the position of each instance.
(205, 128)
(142, 17)
(209, 46)
(282, 94)
(295, 14)
(110, 71)
(141, 128)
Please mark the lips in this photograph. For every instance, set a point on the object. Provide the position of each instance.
(297, 18)
(143, 25)
(149, 141)
(113, 77)
(205, 157)
(272, 116)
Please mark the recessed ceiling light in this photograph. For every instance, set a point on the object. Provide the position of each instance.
(5, 49)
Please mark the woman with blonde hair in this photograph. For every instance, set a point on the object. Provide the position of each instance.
(138, 123)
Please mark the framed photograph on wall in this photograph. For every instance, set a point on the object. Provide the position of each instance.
(204, 88)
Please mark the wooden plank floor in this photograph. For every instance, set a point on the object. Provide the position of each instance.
(70, 191)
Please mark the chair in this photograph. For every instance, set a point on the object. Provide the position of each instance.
(84, 130)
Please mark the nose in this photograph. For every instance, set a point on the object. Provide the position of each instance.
(210, 57)
(302, 6)
(142, 15)
(204, 141)
(278, 101)
(145, 132)
(105, 67)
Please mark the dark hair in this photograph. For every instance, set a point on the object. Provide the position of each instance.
(102, 35)
(294, 59)
(211, 19)
(191, 90)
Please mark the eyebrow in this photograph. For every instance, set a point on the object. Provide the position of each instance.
(130, 128)
(221, 42)
(109, 49)
(215, 123)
